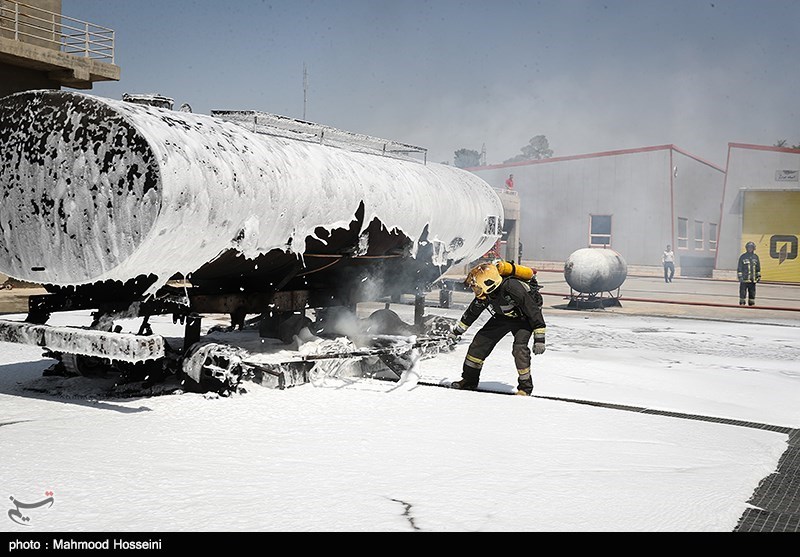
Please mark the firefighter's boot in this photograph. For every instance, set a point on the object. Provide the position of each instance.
(525, 385)
(469, 380)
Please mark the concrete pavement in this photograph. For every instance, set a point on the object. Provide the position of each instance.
(689, 297)
(700, 298)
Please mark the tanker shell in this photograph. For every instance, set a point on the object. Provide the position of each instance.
(95, 189)
(594, 270)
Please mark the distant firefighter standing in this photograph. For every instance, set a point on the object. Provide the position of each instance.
(749, 273)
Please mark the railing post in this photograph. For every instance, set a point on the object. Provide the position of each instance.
(68, 40)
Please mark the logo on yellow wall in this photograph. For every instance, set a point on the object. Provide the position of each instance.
(782, 247)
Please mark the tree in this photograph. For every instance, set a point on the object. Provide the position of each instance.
(783, 143)
(465, 158)
(537, 148)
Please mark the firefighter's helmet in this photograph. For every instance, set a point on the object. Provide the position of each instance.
(483, 279)
(749, 245)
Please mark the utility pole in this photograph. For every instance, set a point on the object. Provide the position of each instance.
(305, 89)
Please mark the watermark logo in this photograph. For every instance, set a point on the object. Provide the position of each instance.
(18, 516)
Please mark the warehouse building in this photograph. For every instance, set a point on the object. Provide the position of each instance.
(635, 201)
(761, 203)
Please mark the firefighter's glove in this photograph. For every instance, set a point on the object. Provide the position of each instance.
(758, 278)
(740, 277)
(455, 334)
(538, 340)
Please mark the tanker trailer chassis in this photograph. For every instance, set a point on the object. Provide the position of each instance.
(381, 346)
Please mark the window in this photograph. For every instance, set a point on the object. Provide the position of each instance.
(698, 235)
(712, 236)
(683, 233)
(600, 234)
(492, 226)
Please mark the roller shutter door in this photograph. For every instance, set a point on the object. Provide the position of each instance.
(771, 219)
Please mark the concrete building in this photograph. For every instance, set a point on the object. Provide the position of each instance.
(42, 49)
(761, 203)
(509, 244)
(635, 201)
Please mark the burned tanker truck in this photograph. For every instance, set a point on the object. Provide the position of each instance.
(135, 211)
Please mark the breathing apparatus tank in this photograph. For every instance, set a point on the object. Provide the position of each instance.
(511, 269)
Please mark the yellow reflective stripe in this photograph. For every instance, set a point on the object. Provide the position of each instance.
(474, 359)
(541, 331)
(526, 371)
(473, 365)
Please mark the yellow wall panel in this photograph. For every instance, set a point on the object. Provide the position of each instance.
(771, 219)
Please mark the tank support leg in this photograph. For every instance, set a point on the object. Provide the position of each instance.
(419, 309)
(191, 331)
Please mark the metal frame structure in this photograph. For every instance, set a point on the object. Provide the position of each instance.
(292, 128)
(594, 300)
(69, 35)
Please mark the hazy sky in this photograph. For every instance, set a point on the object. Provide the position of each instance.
(590, 75)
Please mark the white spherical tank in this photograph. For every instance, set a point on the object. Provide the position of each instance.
(592, 270)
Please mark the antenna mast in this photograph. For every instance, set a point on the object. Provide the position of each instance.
(305, 89)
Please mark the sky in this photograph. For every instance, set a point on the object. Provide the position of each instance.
(347, 454)
(590, 75)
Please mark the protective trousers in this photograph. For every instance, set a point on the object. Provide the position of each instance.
(747, 293)
(487, 338)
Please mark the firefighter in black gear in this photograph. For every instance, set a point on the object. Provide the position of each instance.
(516, 308)
(749, 273)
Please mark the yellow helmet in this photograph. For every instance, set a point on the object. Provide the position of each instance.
(483, 279)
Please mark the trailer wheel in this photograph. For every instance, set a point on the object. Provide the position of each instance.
(86, 366)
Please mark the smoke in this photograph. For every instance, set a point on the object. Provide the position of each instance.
(591, 76)
(371, 288)
(698, 108)
(338, 320)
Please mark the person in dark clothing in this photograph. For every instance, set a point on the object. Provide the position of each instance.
(748, 272)
(516, 308)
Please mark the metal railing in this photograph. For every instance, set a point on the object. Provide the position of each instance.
(506, 191)
(33, 25)
(292, 128)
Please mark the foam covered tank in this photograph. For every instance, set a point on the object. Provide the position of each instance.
(594, 270)
(95, 189)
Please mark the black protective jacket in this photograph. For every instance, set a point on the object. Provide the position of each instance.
(749, 268)
(513, 299)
